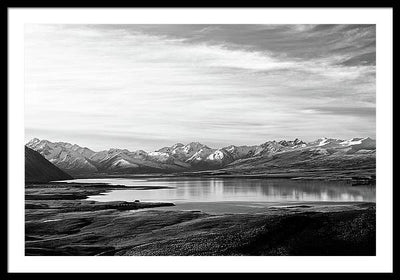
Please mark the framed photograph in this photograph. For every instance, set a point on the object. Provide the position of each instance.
(200, 139)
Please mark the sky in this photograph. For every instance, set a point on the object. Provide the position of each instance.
(150, 86)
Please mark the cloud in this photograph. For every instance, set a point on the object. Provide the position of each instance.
(361, 112)
(175, 83)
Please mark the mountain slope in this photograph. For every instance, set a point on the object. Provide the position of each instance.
(40, 170)
(323, 154)
(124, 161)
(69, 158)
(271, 156)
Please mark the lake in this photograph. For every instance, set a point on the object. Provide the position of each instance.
(233, 195)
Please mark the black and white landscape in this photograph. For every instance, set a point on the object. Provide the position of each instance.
(200, 140)
(327, 158)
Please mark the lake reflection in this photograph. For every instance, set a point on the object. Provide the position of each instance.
(186, 190)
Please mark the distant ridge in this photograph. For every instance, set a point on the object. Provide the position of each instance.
(40, 170)
(271, 156)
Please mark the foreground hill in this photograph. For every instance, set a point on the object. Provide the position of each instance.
(323, 154)
(40, 170)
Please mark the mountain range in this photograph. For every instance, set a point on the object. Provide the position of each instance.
(271, 156)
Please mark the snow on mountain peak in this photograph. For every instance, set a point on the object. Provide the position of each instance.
(217, 155)
(64, 155)
(161, 156)
(366, 142)
(177, 145)
(33, 141)
(351, 142)
(170, 149)
(78, 160)
(323, 142)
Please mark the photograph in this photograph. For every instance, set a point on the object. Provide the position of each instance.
(195, 140)
(200, 139)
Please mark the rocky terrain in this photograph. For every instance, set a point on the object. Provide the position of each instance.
(349, 158)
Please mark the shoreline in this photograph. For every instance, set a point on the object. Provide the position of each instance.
(293, 175)
(61, 221)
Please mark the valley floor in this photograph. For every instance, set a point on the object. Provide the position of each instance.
(59, 221)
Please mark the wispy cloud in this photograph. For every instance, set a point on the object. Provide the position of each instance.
(352, 111)
(220, 84)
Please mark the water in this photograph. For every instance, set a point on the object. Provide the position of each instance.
(231, 194)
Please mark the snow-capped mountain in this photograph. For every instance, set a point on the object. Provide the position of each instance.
(324, 154)
(367, 143)
(201, 155)
(207, 158)
(359, 144)
(271, 147)
(185, 152)
(69, 158)
(196, 156)
(116, 160)
(326, 142)
(170, 149)
(238, 152)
